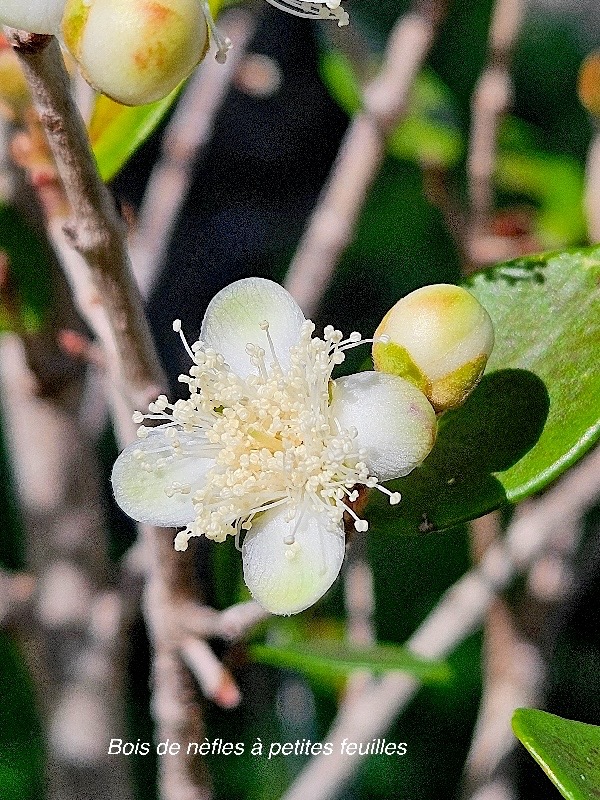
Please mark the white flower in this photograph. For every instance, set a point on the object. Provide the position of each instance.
(268, 446)
(314, 9)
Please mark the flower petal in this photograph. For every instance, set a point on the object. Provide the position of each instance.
(395, 422)
(285, 578)
(142, 494)
(233, 319)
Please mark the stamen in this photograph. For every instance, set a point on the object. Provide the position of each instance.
(272, 437)
(177, 329)
(360, 524)
(223, 42)
(394, 497)
(265, 327)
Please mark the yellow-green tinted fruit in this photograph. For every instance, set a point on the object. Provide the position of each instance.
(135, 51)
(439, 338)
(35, 16)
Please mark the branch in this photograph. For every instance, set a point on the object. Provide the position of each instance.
(16, 591)
(109, 300)
(331, 226)
(96, 231)
(186, 136)
(491, 100)
(459, 613)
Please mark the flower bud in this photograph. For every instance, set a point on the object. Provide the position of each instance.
(35, 16)
(136, 51)
(439, 338)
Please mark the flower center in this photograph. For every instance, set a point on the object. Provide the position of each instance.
(272, 435)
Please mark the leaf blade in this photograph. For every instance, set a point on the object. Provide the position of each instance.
(328, 660)
(116, 131)
(536, 411)
(567, 751)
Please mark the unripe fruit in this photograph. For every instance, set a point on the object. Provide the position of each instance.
(136, 51)
(439, 338)
(35, 16)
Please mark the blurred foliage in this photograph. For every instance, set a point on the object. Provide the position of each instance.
(25, 292)
(567, 751)
(326, 660)
(21, 747)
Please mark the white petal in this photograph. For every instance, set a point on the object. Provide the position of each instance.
(395, 422)
(287, 584)
(142, 494)
(233, 319)
(35, 16)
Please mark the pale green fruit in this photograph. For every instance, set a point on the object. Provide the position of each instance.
(439, 338)
(135, 51)
(35, 16)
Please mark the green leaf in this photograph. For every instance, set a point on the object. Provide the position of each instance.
(116, 131)
(328, 660)
(537, 409)
(567, 751)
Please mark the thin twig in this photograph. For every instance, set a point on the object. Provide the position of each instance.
(186, 136)
(96, 231)
(491, 100)
(514, 675)
(592, 188)
(360, 604)
(459, 613)
(332, 224)
(16, 591)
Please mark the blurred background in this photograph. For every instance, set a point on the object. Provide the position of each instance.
(244, 196)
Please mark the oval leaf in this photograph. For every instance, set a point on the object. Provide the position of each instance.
(117, 131)
(568, 752)
(537, 409)
(328, 660)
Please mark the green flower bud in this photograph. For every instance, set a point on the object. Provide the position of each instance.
(136, 51)
(439, 338)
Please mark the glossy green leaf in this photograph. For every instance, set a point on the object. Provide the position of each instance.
(116, 131)
(329, 660)
(567, 751)
(537, 409)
